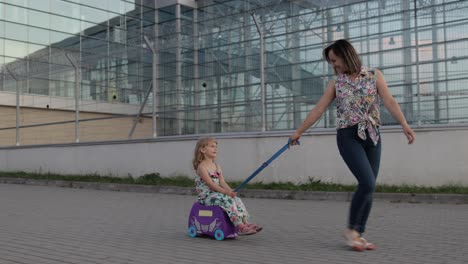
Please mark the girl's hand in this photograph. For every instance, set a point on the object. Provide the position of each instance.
(231, 193)
(409, 133)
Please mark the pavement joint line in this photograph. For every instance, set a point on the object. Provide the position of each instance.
(440, 198)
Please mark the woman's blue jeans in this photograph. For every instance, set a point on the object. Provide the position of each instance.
(363, 159)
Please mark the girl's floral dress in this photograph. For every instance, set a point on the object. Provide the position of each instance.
(357, 103)
(234, 207)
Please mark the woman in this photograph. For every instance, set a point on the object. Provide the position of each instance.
(357, 90)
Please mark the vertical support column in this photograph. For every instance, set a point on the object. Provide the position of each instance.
(292, 44)
(248, 52)
(346, 12)
(155, 113)
(408, 77)
(326, 116)
(368, 34)
(18, 113)
(196, 99)
(227, 85)
(446, 67)
(382, 6)
(262, 71)
(219, 114)
(77, 104)
(18, 92)
(435, 68)
(417, 60)
(178, 95)
(331, 112)
(76, 94)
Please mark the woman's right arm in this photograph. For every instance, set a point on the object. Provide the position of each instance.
(316, 112)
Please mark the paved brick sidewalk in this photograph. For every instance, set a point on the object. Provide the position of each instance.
(50, 225)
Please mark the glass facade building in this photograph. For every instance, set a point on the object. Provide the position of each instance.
(216, 66)
(46, 43)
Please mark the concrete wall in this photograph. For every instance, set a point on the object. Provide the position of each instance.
(438, 157)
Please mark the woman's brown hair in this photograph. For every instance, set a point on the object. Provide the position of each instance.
(343, 49)
(198, 156)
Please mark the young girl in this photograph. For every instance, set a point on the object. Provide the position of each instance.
(213, 190)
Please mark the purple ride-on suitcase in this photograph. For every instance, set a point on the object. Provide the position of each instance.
(210, 221)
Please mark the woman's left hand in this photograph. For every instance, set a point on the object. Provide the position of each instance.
(409, 133)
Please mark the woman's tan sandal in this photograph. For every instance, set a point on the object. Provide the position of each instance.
(368, 245)
(354, 242)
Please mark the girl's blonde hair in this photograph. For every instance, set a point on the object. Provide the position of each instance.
(198, 156)
(343, 49)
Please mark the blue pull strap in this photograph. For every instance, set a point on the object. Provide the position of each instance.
(266, 163)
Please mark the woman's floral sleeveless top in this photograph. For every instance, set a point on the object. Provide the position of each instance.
(357, 103)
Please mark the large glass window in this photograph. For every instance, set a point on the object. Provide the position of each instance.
(208, 71)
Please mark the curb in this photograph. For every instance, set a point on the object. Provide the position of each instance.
(247, 193)
(346, 196)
